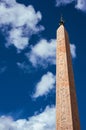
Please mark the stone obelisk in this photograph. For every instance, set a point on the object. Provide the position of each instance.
(66, 104)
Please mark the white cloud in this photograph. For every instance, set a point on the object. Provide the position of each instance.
(17, 39)
(79, 4)
(44, 53)
(23, 22)
(42, 121)
(73, 50)
(46, 83)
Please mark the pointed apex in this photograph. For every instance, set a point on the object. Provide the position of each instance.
(61, 21)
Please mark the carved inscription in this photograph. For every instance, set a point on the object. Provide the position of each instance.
(65, 91)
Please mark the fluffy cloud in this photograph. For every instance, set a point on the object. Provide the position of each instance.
(19, 22)
(79, 4)
(42, 121)
(44, 53)
(46, 83)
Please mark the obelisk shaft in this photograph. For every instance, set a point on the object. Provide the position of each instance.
(66, 104)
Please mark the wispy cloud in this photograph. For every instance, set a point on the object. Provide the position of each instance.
(44, 53)
(63, 2)
(73, 50)
(19, 22)
(46, 83)
(79, 4)
(42, 121)
(23, 66)
(2, 69)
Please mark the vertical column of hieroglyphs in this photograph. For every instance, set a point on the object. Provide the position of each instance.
(63, 102)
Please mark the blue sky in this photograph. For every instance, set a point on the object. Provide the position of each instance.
(28, 61)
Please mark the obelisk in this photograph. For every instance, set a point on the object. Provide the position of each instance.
(67, 117)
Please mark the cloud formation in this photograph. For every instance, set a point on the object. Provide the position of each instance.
(3, 69)
(73, 50)
(19, 22)
(44, 53)
(63, 2)
(46, 83)
(42, 121)
(79, 4)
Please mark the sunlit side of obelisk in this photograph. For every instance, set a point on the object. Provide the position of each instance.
(66, 103)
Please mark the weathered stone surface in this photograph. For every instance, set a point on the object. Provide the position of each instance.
(66, 105)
